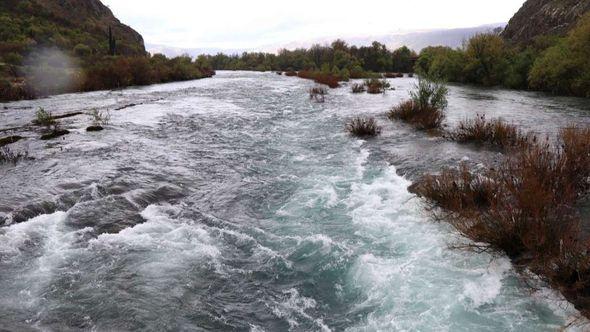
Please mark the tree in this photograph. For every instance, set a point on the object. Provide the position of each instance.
(485, 56)
(402, 59)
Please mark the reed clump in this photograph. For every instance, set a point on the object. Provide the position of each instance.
(363, 127)
(526, 207)
(7, 156)
(425, 109)
(332, 81)
(496, 133)
(358, 88)
(376, 86)
(318, 94)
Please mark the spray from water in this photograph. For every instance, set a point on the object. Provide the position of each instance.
(51, 71)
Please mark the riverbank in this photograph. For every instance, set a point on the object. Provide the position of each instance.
(93, 73)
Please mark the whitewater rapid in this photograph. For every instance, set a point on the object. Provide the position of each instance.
(236, 203)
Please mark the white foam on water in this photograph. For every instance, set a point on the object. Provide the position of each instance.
(412, 281)
(49, 242)
(42, 230)
(164, 235)
(152, 113)
(485, 289)
(293, 308)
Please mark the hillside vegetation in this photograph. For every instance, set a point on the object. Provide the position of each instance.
(559, 65)
(56, 46)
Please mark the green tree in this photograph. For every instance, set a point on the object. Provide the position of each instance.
(485, 56)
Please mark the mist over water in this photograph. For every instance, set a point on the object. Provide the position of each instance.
(236, 203)
(50, 71)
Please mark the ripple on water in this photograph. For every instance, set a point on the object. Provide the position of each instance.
(236, 203)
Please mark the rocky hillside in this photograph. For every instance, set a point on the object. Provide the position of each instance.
(27, 24)
(544, 17)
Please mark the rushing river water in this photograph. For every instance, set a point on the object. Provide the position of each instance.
(236, 203)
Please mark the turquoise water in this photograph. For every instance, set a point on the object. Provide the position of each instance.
(236, 204)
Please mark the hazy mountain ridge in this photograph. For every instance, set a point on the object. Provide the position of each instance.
(414, 40)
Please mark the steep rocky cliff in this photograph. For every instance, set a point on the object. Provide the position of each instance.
(65, 24)
(544, 17)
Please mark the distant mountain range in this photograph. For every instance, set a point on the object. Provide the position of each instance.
(415, 40)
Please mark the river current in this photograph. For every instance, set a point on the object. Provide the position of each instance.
(236, 203)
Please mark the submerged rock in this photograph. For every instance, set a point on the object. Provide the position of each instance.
(55, 134)
(94, 128)
(9, 140)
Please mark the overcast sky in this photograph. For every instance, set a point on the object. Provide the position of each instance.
(258, 23)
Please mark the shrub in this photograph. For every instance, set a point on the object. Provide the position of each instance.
(390, 75)
(318, 93)
(358, 88)
(425, 109)
(82, 50)
(495, 133)
(9, 156)
(422, 118)
(376, 86)
(100, 118)
(320, 77)
(44, 118)
(13, 58)
(565, 67)
(430, 94)
(442, 63)
(485, 59)
(363, 127)
(290, 73)
(525, 207)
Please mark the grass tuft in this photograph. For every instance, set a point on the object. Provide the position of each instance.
(358, 88)
(425, 109)
(376, 86)
(318, 94)
(8, 156)
(44, 118)
(496, 133)
(100, 118)
(363, 127)
(421, 118)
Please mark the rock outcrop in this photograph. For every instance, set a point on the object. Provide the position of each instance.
(73, 21)
(544, 17)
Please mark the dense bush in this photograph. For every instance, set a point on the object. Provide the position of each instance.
(320, 77)
(363, 127)
(376, 86)
(441, 63)
(526, 208)
(338, 59)
(565, 67)
(549, 63)
(100, 73)
(496, 133)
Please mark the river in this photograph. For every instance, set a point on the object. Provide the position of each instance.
(237, 204)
